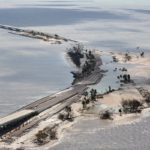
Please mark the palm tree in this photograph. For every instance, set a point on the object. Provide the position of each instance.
(93, 94)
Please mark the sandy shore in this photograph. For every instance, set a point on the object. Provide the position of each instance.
(140, 74)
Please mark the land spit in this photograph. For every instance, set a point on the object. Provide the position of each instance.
(112, 99)
(90, 119)
(127, 132)
(52, 38)
(17, 123)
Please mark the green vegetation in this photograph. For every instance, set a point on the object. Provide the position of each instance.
(66, 115)
(45, 135)
(93, 95)
(125, 78)
(76, 53)
(88, 98)
(131, 106)
(85, 102)
(106, 115)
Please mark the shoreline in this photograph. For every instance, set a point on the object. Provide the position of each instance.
(118, 121)
(34, 106)
(126, 119)
(111, 99)
(52, 38)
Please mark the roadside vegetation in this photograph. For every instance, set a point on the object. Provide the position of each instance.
(83, 59)
(66, 114)
(46, 135)
(89, 98)
(106, 115)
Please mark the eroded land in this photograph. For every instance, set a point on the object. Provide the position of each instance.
(25, 120)
(59, 112)
(51, 38)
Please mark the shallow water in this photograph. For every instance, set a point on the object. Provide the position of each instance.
(30, 69)
(100, 135)
(110, 76)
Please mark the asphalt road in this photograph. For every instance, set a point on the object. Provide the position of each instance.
(49, 101)
(67, 96)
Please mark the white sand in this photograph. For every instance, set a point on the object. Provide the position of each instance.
(115, 98)
(140, 73)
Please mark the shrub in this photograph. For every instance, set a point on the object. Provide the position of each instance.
(84, 104)
(106, 115)
(147, 100)
(48, 133)
(76, 53)
(127, 57)
(131, 106)
(68, 109)
(66, 116)
(21, 148)
(75, 57)
(53, 134)
(61, 116)
(40, 137)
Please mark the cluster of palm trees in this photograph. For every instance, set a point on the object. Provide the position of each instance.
(76, 53)
(89, 64)
(126, 78)
(89, 98)
(88, 67)
(106, 115)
